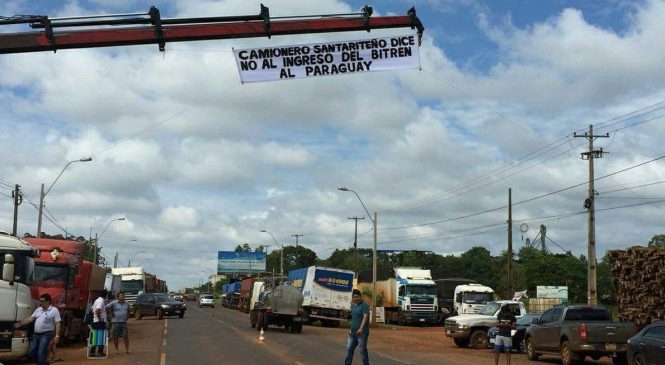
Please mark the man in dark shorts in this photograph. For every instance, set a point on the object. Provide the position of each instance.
(119, 311)
(504, 339)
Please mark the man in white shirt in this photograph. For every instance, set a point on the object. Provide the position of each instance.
(47, 329)
(98, 321)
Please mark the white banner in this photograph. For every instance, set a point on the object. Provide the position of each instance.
(327, 59)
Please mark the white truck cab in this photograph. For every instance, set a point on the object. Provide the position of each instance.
(471, 329)
(18, 295)
(471, 298)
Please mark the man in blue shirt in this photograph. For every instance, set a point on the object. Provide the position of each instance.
(47, 329)
(359, 329)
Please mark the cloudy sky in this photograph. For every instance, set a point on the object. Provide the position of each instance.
(198, 162)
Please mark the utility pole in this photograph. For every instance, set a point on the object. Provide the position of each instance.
(95, 258)
(41, 206)
(589, 204)
(355, 246)
(374, 272)
(296, 236)
(18, 199)
(510, 242)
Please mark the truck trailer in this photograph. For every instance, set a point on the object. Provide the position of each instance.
(280, 306)
(326, 293)
(18, 296)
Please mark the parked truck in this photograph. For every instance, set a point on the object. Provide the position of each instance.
(408, 298)
(574, 332)
(112, 284)
(281, 306)
(246, 286)
(18, 296)
(471, 329)
(61, 272)
(326, 293)
(231, 295)
(133, 282)
(471, 298)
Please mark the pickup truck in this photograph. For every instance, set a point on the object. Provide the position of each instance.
(471, 329)
(576, 331)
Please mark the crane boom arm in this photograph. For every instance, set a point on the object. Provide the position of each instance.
(179, 30)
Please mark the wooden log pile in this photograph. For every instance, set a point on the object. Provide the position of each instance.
(638, 274)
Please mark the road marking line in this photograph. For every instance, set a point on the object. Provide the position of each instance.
(162, 360)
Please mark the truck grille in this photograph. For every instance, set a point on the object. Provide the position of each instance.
(450, 324)
(422, 307)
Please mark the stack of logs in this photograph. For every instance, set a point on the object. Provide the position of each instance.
(638, 274)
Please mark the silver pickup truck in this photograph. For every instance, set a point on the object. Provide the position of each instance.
(471, 329)
(574, 332)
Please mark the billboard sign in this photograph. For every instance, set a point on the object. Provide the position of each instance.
(553, 292)
(230, 262)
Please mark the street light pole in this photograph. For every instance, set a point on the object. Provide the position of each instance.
(100, 236)
(115, 260)
(281, 252)
(42, 194)
(374, 257)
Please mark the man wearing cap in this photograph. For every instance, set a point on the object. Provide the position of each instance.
(47, 329)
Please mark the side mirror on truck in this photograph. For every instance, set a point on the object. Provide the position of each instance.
(8, 269)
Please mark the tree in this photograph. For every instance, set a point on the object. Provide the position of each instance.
(657, 241)
(478, 265)
(244, 248)
(294, 258)
(261, 248)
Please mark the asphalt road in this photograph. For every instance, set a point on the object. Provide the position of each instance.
(225, 337)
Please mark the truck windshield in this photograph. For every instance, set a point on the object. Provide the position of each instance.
(421, 290)
(131, 286)
(477, 298)
(490, 309)
(50, 274)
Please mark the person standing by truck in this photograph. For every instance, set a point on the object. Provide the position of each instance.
(119, 310)
(359, 332)
(98, 321)
(47, 329)
(504, 340)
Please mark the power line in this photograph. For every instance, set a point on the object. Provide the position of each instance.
(527, 200)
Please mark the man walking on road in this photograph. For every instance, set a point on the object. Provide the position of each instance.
(47, 329)
(504, 339)
(98, 321)
(119, 310)
(359, 332)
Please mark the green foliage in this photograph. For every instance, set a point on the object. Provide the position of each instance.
(657, 241)
(244, 248)
(294, 258)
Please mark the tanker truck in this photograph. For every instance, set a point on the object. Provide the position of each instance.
(18, 298)
(279, 305)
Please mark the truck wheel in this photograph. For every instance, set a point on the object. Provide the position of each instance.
(531, 353)
(159, 314)
(299, 327)
(252, 318)
(401, 320)
(622, 359)
(478, 339)
(460, 342)
(568, 357)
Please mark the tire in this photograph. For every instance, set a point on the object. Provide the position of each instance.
(639, 359)
(521, 346)
(159, 314)
(401, 320)
(299, 327)
(530, 350)
(252, 319)
(137, 315)
(622, 359)
(568, 357)
(259, 321)
(478, 339)
(460, 342)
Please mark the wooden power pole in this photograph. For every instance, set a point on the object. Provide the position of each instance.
(589, 204)
(511, 290)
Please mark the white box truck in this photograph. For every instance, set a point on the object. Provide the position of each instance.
(326, 291)
(132, 283)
